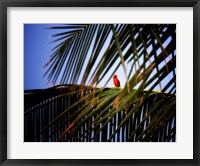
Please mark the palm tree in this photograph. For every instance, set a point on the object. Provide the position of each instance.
(88, 55)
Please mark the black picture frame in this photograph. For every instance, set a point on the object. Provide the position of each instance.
(4, 4)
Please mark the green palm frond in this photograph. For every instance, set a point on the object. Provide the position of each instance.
(92, 49)
(78, 118)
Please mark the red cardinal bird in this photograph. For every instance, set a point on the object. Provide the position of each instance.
(116, 81)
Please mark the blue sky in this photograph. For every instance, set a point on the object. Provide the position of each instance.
(36, 53)
(37, 50)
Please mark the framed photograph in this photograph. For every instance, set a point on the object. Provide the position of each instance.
(101, 83)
